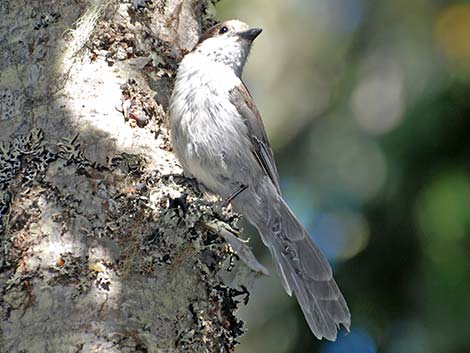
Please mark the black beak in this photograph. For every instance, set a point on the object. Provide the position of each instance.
(251, 34)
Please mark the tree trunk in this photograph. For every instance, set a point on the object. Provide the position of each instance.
(105, 247)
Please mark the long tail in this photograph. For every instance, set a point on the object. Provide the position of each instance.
(304, 270)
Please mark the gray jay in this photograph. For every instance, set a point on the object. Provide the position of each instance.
(219, 138)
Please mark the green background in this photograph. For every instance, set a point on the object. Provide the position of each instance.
(367, 106)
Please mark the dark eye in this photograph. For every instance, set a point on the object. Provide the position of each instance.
(223, 30)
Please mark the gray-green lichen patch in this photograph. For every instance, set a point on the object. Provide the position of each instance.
(100, 231)
(105, 246)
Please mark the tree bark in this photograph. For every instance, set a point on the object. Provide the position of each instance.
(105, 247)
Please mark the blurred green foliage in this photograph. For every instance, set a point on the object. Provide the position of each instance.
(367, 104)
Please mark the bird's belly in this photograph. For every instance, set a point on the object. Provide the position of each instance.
(214, 152)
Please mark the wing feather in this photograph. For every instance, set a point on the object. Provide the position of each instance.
(241, 98)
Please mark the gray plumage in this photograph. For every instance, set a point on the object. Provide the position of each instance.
(219, 138)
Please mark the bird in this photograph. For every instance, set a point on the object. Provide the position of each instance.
(219, 139)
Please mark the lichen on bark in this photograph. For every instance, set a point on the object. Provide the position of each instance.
(105, 246)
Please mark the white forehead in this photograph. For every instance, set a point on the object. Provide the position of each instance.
(237, 25)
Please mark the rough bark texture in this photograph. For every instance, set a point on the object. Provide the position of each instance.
(105, 247)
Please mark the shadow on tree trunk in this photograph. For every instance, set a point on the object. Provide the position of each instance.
(103, 243)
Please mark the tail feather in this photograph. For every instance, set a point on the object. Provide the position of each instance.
(305, 272)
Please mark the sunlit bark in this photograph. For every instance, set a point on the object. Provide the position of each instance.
(104, 245)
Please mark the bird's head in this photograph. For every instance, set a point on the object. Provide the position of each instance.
(228, 43)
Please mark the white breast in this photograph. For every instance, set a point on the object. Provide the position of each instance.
(206, 128)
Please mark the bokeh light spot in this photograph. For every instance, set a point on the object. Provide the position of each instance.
(444, 206)
(328, 234)
(341, 235)
(378, 99)
(346, 161)
(357, 341)
(443, 216)
(453, 31)
(357, 233)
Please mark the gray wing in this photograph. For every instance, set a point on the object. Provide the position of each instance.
(303, 268)
(240, 97)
